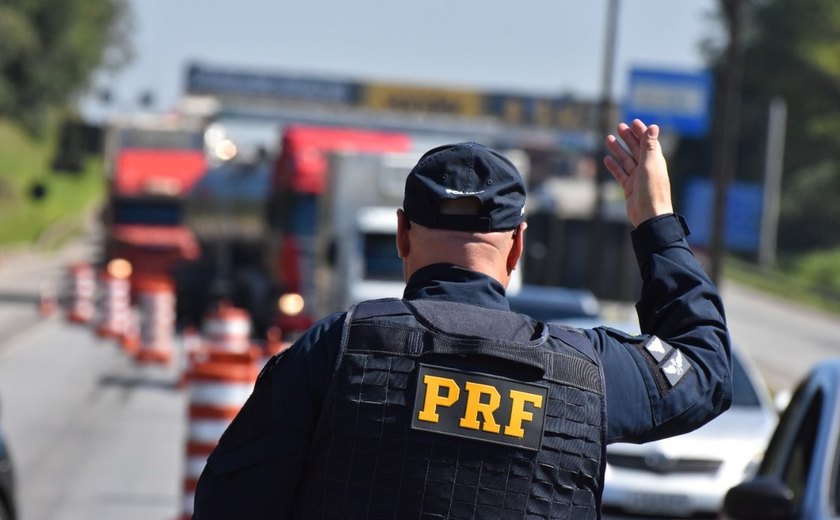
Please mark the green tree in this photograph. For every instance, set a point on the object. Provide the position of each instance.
(49, 50)
(793, 51)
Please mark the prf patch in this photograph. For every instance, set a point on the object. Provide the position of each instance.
(479, 406)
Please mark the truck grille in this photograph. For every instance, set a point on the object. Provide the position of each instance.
(661, 464)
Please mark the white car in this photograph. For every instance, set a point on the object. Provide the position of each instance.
(688, 475)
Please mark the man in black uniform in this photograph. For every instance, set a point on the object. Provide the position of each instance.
(445, 404)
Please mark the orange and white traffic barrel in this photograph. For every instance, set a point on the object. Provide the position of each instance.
(130, 340)
(155, 297)
(114, 300)
(191, 347)
(218, 384)
(227, 329)
(82, 292)
(47, 300)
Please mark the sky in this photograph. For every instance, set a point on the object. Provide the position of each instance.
(538, 47)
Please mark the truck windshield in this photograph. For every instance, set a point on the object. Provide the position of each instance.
(155, 213)
(381, 259)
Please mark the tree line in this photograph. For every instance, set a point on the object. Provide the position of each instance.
(791, 51)
(49, 51)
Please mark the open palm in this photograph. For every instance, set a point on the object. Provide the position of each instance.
(641, 171)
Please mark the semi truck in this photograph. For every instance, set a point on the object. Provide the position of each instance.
(356, 243)
(356, 248)
(293, 236)
(296, 207)
(152, 163)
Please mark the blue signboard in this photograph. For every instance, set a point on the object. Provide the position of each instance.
(743, 214)
(678, 102)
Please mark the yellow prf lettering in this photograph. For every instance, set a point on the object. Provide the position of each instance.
(475, 407)
(518, 413)
(434, 399)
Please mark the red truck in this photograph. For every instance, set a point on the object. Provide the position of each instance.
(152, 166)
(298, 184)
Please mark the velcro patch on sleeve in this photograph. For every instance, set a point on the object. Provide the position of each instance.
(670, 362)
(675, 367)
(658, 348)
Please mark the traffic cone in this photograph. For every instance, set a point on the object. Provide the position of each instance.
(155, 295)
(82, 290)
(47, 300)
(114, 306)
(227, 329)
(130, 340)
(191, 346)
(218, 384)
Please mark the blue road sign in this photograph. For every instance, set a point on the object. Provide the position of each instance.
(678, 102)
(744, 202)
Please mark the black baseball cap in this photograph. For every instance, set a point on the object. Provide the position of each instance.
(461, 170)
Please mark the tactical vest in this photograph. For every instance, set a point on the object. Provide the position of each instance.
(440, 410)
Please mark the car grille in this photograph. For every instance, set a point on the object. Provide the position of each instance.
(658, 463)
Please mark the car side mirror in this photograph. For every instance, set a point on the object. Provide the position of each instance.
(759, 499)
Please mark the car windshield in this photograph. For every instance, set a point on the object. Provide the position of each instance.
(381, 259)
(156, 213)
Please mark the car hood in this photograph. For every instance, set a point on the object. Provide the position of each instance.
(738, 431)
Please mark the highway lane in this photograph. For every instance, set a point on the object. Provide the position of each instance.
(93, 435)
(784, 339)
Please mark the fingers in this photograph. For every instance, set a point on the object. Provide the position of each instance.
(615, 169)
(623, 158)
(630, 138)
(639, 139)
(651, 138)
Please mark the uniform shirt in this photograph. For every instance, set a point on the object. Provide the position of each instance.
(654, 388)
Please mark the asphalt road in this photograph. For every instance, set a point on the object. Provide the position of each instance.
(95, 436)
(92, 434)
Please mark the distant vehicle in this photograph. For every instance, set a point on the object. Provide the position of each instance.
(8, 510)
(798, 476)
(552, 304)
(688, 475)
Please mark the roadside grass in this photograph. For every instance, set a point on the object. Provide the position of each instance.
(795, 280)
(68, 198)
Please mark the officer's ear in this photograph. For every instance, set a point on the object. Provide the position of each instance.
(517, 248)
(403, 243)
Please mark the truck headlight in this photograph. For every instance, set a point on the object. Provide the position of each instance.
(290, 304)
(119, 268)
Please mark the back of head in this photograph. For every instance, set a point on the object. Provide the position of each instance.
(465, 187)
(462, 202)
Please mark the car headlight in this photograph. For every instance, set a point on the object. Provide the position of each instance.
(290, 304)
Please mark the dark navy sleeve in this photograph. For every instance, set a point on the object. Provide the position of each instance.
(676, 375)
(256, 466)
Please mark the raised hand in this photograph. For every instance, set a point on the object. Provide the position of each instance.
(641, 171)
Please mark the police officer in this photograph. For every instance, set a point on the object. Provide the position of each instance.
(445, 404)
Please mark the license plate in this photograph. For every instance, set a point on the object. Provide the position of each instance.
(657, 503)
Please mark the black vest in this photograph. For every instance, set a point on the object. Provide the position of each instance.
(441, 410)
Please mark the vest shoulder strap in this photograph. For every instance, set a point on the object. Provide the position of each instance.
(417, 341)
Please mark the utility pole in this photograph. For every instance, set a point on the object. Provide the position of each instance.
(727, 127)
(774, 154)
(598, 235)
